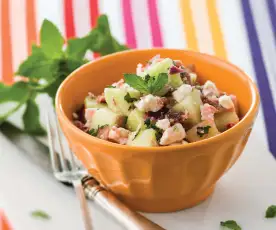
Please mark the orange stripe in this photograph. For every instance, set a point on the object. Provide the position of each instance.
(31, 24)
(7, 72)
(217, 35)
(189, 26)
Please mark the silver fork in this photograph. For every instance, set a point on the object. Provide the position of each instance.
(65, 170)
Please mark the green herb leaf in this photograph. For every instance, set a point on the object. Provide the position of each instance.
(159, 83)
(201, 131)
(110, 86)
(31, 119)
(271, 211)
(93, 132)
(230, 224)
(40, 214)
(51, 39)
(101, 40)
(148, 123)
(129, 99)
(36, 66)
(77, 47)
(12, 98)
(136, 82)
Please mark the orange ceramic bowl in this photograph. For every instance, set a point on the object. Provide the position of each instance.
(157, 179)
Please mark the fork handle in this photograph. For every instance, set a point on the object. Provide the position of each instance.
(83, 204)
(130, 219)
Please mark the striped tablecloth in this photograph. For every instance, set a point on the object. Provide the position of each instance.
(242, 31)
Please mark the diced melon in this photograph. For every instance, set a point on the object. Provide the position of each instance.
(224, 118)
(92, 103)
(196, 96)
(105, 116)
(160, 67)
(115, 99)
(144, 138)
(175, 80)
(190, 105)
(193, 134)
(135, 119)
(133, 93)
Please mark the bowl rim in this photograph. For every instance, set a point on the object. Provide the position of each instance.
(253, 110)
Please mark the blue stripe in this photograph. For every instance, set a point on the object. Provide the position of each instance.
(262, 78)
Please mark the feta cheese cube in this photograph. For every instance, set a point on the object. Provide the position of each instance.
(226, 102)
(182, 92)
(149, 103)
(163, 124)
(173, 134)
(210, 89)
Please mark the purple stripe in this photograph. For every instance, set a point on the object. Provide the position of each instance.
(272, 14)
(262, 78)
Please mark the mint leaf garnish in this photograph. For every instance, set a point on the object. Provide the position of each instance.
(201, 131)
(12, 98)
(149, 85)
(271, 211)
(230, 224)
(158, 83)
(136, 82)
(51, 39)
(31, 119)
(40, 214)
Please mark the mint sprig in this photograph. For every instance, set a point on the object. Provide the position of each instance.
(40, 214)
(149, 85)
(48, 65)
(230, 224)
(271, 211)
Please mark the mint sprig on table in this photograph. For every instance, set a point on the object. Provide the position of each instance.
(149, 85)
(230, 225)
(48, 65)
(40, 214)
(271, 211)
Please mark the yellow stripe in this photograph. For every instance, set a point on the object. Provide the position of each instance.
(188, 23)
(217, 35)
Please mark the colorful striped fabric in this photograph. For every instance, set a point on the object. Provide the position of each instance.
(241, 31)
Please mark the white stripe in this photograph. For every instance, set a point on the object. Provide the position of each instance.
(1, 58)
(113, 10)
(237, 47)
(171, 24)
(51, 10)
(267, 40)
(201, 21)
(18, 32)
(81, 17)
(141, 23)
(235, 35)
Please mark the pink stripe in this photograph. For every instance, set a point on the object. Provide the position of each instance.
(129, 27)
(157, 40)
(141, 23)
(1, 53)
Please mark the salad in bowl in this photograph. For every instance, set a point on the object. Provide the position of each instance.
(164, 103)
